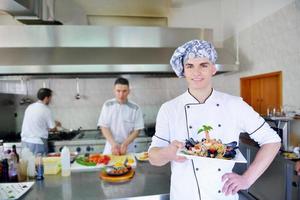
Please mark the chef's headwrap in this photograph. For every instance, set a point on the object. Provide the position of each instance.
(192, 49)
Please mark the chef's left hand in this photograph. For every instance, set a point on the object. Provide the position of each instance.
(297, 167)
(233, 183)
(57, 123)
(123, 148)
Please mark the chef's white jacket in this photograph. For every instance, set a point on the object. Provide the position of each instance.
(180, 119)
(36, 123)
(121, 119)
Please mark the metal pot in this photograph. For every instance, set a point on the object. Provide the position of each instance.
(64, 134)
(150, 130)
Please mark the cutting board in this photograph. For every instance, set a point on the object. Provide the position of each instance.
(117, 179)
(75, 167)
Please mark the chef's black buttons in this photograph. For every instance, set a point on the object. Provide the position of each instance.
(217, 104)
(190, 127)
(219, 191)
(219, 125)
(188, 106)
(197, 169)
(219, 169)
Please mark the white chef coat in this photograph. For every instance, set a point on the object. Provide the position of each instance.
(121, 119)
(36, 123)
(180, 119)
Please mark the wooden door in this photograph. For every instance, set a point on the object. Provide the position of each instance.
(270, 94)
(263, 91)
(255, 94)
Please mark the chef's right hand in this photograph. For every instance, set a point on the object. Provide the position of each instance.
(116, 149)
(172, 151)
(57, 124)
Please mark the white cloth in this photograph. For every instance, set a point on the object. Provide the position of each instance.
(180, 119)
(121, 119)
(37, 122)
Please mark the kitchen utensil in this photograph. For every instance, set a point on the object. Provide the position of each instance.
(26, 99)
(77, 96)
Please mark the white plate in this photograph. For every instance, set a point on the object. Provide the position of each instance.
(139, 156)
(239, 158)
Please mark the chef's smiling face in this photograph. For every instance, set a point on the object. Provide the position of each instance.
(121, 92)
(198, 73)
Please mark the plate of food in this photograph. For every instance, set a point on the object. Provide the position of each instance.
(117, 174)
(143, 156)
(120, 160)
(290, 155)
(117, 170)
(211, 149)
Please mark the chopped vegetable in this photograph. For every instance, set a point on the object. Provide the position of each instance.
(84, 161)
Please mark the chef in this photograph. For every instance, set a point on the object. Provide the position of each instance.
(37, 123)
(120, 120)
(227, 115)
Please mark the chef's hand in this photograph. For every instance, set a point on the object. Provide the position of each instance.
(115, 149)
(234, 183)
(172, 151)
(123, 148)
(57, 124)
(297, 167)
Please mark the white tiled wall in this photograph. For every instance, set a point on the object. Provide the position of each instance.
(273, 44)
(149, 93)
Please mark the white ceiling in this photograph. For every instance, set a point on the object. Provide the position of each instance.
(225, 17)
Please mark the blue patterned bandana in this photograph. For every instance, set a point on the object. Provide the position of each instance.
(192, 49)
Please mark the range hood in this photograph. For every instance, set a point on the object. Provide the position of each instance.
(31, 11)
(94, 49)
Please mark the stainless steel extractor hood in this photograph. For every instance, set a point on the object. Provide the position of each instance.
(93, 49)
(31, 11)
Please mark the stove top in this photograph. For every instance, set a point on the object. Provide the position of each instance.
(89, 135)
(83, 141)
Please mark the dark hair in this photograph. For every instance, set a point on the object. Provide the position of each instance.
(122, 81)
(43, 93)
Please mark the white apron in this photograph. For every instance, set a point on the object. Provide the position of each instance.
(206, 176)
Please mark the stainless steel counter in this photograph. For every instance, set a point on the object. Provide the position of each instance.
(149, 183)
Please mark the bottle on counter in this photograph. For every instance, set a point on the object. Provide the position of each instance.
(13, 168)
(65, 162)
(14, 150)
(39, 167)
(1, 150)
(1, 159)
(27, 155)
(4, 175)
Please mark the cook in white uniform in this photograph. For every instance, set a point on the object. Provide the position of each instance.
(37, 123)
(120, 120)
(180, 119)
